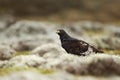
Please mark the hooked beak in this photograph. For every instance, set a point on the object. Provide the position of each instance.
(57, 31)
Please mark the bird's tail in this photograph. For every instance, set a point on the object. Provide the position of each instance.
(96, 50)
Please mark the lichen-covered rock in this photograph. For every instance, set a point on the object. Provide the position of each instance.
(44, 49)
(25, 75)
(97, 64)
(34, 33)
(60, 75)
(46, 52)
(28, 28)
(112, 43)
(6, 52)
(29, 43)
(20, 46)
(25, 61)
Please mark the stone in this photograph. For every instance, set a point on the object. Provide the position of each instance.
(6, 52)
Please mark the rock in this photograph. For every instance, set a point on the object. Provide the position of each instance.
(20, 46)
(31, 75)
(3, 63)
(25, 75)
(22, 61)
(28, 28)
(97, 64)
(6, 52)
(112, 43)
(46, 52)
(26, 35)
(47, 48)
(117, 34)
(60, 75)
(29, 43)
(33, 33)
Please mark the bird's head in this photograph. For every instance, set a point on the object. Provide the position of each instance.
(63, 35)
(60, 32)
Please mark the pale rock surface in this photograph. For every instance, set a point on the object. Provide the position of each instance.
(6, 52)
(60, 75)
(97, 64)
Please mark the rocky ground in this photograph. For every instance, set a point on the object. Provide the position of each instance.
(31, 50)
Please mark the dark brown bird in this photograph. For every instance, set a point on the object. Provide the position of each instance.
(75, 46)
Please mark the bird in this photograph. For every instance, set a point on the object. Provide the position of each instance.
(75, 46)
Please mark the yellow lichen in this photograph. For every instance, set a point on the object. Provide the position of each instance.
(5, 71)
(112, 51)
(22, 53)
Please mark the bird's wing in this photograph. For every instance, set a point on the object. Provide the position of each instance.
(79, 43)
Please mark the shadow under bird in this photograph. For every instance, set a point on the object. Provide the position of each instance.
(75, 46)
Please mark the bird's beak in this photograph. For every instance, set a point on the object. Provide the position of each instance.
(57, 31)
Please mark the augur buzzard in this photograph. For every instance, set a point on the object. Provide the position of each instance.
(75, 46)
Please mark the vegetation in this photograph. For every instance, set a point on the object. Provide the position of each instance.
(103, 10)
(5, 71)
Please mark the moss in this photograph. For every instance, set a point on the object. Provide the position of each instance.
(112, 51)
(5, 71)
(46, 71)
(92, 33)
(22, 53)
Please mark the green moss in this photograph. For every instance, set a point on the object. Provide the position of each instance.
(94, 31)
(5, 71)
(46, 71)
(91, 33)
(112, 52)
(22, 53)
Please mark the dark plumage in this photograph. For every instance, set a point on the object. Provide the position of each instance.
(75, 46)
